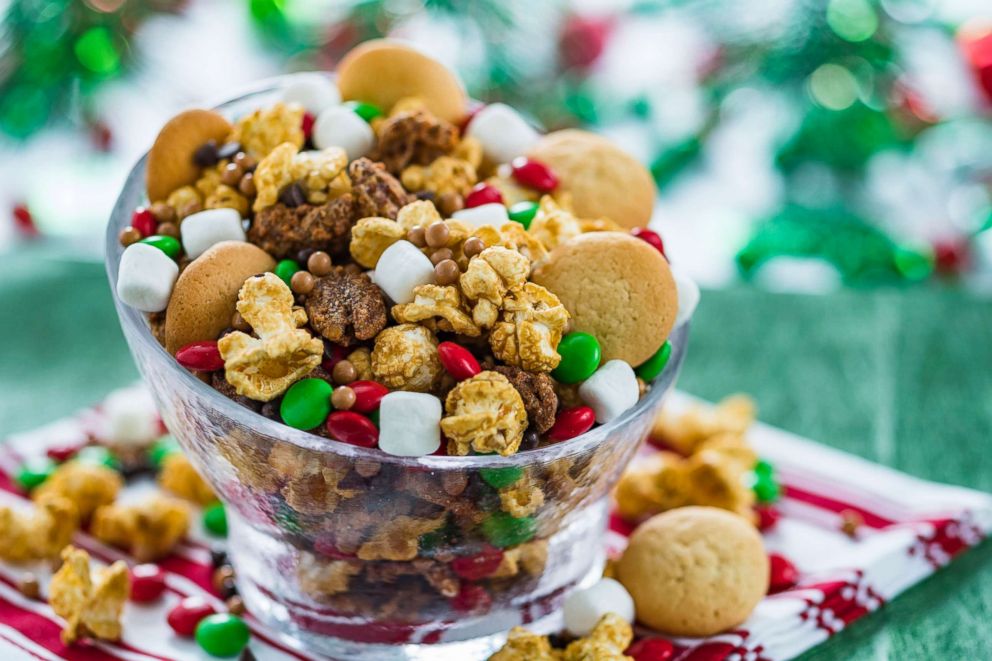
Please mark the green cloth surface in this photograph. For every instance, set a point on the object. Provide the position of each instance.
(899, 377)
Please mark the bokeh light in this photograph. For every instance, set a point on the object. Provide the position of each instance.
(834, 87)
(852, 20)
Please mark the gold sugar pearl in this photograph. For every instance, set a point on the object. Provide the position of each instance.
(473, 246)
(437, 234)
(319, 263)
(245, 162)
(302, 282)
(163, 212)
(247, 185)
(231, 176)
(343, 398)
(168, 229)
(441, 255)
(446, 272)
(128, 236)
(344, 372)
(417, 237)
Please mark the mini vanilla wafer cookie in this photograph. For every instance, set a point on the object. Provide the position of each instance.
(170, 160)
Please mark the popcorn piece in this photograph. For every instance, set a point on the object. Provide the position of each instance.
(145, 277)
(185, 201)
(489, 275)
(274, 172)
(409, 424)
(656, 484)
(202, 230)
(316, 170)
(418, 214)
(523, 498)
(432, 302)
(398, 539)
(405, 358)
(413, 136)
(179, 478)
(529, 557)
(611, 390)
(312, 482)
(484, 413)
(522, 645)
(401, 269)
(446, 175)
(376, 192)
(607, 641)
(470, 150)
(38, 534)
(338, 126)
(600, 611)
(371, 236)
(149, 529)
(263, 130)
(284, 231)
(502, 132)
(685, 431)
(88, 486)
(533, 323)
(90, 603)
(322, 173)
(713, 479)
(345, 307)
(361, 360)
(225, 197)
(538, 392)
(553, 224)
(322, 578)
(263, 368)
(512, 235)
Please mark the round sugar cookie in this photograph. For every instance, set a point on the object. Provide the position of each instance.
(694, 571)
(383, 71)
(204, 298)
(170, 160)
(602, 179)
(617, 288)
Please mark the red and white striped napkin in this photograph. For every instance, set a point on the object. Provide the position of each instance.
(910, 529)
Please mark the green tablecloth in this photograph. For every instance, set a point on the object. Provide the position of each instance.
(899, 377)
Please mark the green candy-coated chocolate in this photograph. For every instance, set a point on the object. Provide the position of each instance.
(97, 454)
(523, 212)
(286, 268)
(167, 244)
(374, 417)
(766, 489)
(499, 478)
(366, 111)
(580, 355)
(32, 473)
(503, 530)
(306, 404)
(653, 366)
(215, 519)
(222, 634)
(764, 468)
(162, 448)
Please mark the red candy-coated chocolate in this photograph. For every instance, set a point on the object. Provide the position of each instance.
(572, 422)
(368, 394)
(307, 125)
(651, 649)
(144, 221)
(483, 194)
(783, 574)
(352, 428)
(653, 238)
(201, 356)
(61, 453)
(534, 174)
(473, 110)
(147, 583)
(458, 361)
(337, 354)
(768, 516)
(478, 566)
(472, 598)
(187, 614)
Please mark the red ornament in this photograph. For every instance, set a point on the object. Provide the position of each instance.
(458, 361)
(201, 356)
(144, 221)
(651, 649)
(582, 41)
(477, 567)
(307, 125)
(572, 422)
(352, 428)
(368, 394)
(147, 583)
(332, 356)
(187, 614)
(24, 221)
(472, 598)
(483, 194)
(534, 174)
(950, 256)
(767, 517)
(783, 575)
(976, 44)
(653, 238)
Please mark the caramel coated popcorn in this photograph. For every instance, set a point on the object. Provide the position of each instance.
(371, 236)
(522, 645)
(445, 176)
(684, 431)
(521, 499)
(441, 307)
(149, 529)
(321, 578)
(405, 358)
(319, 172)
(489, 276)
(91, 603)
(263, 368)
(87, 485)
(606, 642)
(39, 533)
(484, 413)
(185, 201)
(225, 197)
(398, 538)
(553, 224)
(179, 478)
(534, 321)
(512, 235)
(263, 130)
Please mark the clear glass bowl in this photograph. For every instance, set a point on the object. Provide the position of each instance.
(357, 554)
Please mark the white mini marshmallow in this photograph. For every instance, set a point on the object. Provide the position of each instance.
(400, 269)
(314, 91)
(502, 132)
(203, 229)
(146, 277)
(688, 293)
(583, 608)
(409, 424)
(129, 417)
(611, 390)
(338, 126)
(493, 214)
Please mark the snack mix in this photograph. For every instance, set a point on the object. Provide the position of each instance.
(367, 273)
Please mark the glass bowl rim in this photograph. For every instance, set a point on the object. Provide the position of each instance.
(136, 326)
